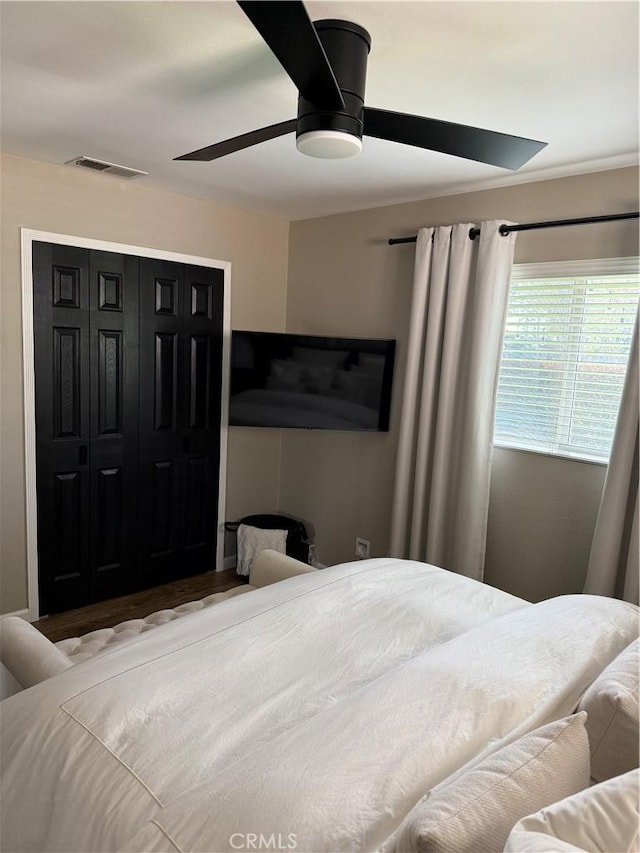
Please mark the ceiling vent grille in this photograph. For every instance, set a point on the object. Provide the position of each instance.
(105, 167)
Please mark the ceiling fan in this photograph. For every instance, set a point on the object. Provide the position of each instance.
(327, 62)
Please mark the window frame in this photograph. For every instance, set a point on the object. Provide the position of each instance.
(586, 268)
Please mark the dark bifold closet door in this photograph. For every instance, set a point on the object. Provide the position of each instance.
(86, 345)
(128, 357)
(181, 361)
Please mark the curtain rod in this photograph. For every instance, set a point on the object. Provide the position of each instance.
(530, 226)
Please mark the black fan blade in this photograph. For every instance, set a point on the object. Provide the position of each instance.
(288, 31)
(245, 140)
(460, 140)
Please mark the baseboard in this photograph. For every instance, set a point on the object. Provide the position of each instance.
(230, 563)
(23, 614)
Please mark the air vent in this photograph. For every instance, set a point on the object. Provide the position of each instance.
(106, 168)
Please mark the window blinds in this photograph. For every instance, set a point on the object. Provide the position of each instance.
(565, 352)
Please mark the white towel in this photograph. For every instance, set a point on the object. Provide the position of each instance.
(254, 539)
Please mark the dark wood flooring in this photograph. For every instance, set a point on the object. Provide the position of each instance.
(73, 623)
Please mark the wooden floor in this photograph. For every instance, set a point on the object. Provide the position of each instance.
(73, 623)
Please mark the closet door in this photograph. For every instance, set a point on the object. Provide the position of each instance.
(61, 349)
(128, 374)
(179, 450)
(85, 336)
(200, 416)
(113, 435)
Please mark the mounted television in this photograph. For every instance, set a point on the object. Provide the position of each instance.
(310, 382)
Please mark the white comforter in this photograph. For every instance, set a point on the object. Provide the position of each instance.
(315, 712)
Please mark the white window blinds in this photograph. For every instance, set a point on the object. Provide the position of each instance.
(566, 346)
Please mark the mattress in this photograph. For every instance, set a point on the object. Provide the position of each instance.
(314, 713)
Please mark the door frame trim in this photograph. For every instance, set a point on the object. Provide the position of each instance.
(27, 238)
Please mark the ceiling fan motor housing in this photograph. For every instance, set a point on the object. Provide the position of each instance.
(347, 48)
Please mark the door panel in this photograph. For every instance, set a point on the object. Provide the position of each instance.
(163, 532)
(111, 359)
(196, 502)
(166, 290)
(67, 281)
(66, 382)
(165, 370)
(109, 539)
(199, 381)
(67, 540)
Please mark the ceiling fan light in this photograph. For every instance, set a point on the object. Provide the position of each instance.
(329, 144)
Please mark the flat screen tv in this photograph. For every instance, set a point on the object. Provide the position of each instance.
(310, 382)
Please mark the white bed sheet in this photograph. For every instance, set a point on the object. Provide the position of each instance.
(323, 707)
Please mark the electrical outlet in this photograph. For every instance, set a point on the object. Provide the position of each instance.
(363, 548)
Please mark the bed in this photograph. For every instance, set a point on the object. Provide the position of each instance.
(318, 710)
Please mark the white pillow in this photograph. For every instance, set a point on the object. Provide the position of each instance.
(602, 819)
(612, 704)
(28, 655)
(477, 810)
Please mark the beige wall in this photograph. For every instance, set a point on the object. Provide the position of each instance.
(345, 280)
(541, 518)
(70, 201)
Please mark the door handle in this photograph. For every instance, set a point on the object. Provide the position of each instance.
(82, 454)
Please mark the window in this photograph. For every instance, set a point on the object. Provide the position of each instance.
(566, 347)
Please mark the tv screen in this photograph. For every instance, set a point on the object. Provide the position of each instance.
(310, 382)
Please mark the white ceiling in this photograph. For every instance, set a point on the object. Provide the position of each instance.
(138, 83)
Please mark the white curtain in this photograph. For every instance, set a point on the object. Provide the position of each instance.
(613, 562)
(443, 467)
